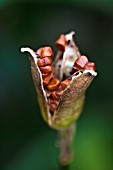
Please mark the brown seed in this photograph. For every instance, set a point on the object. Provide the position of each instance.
(90, 66)
(53, 84)
(65, 83)
(52, 103)
(48, 93)
(53, 107)
(56, 94)
(45, 52)
(44, 61)
(76, 67)
(51, 100)
(46, 69)
(61, 43)
(47, 79)
(45, 74)
(81, 61)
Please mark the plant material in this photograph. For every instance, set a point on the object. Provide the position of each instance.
(61, 85)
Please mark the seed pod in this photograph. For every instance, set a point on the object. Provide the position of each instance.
(62, 111)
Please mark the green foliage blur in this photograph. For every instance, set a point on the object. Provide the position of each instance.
(26, 142)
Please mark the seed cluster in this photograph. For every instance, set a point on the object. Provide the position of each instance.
(52, 85)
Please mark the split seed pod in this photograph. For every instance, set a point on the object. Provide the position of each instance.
(61, 96)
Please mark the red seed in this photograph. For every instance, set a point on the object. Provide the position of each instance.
(56, 94)
(53, 84)
(52, 104)
(45, 52)
(81, 61)
(47, 79)
(45, 74)
(44, 61)
(61, 43)
(48, 93)
(65, 83)
(53, 107)
(46, 69)
(90, 66)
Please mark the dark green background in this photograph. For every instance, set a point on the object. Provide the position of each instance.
(26, 141)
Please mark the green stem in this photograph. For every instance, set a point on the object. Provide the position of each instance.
(66, 137)
(64, 167)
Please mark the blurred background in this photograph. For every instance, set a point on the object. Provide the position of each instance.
(26, 142)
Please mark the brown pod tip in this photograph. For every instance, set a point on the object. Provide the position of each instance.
(44, 61)
(61, 43)
(53, 84)
(90, 66)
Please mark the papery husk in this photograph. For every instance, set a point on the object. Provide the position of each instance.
(71, 102)
(38, 82)
(37, 78)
